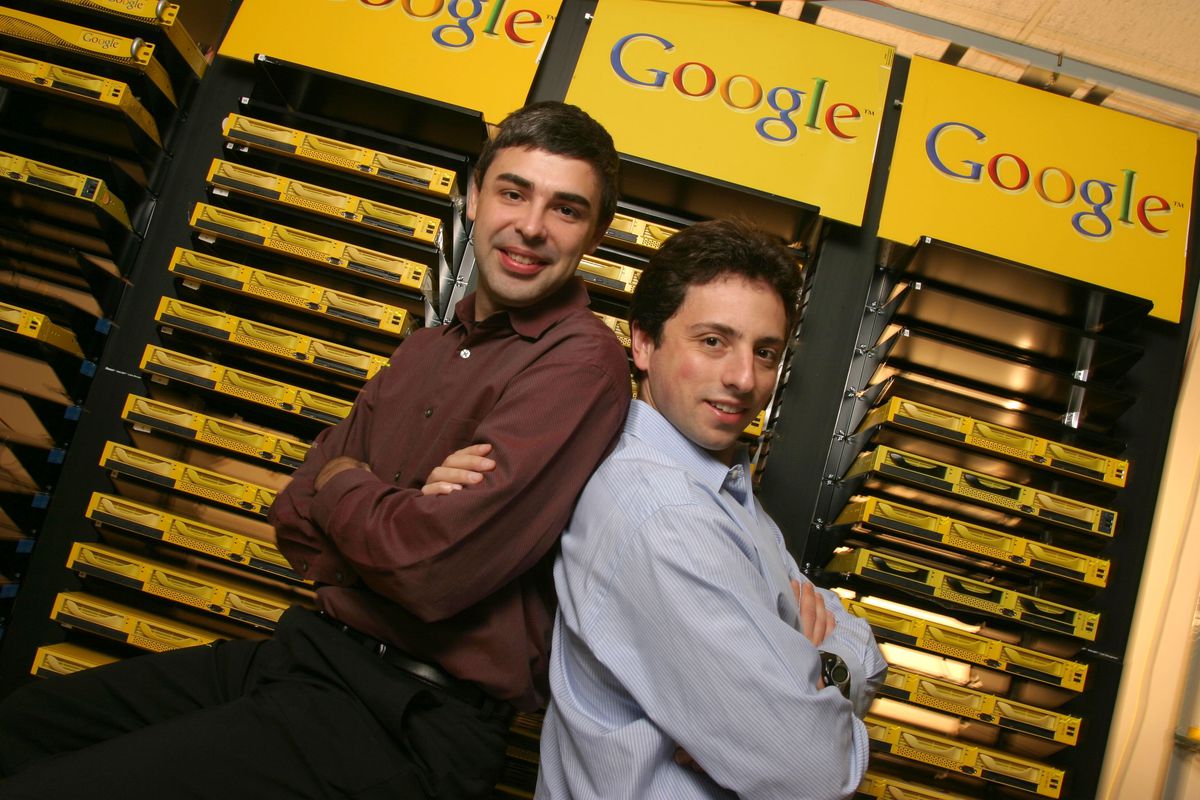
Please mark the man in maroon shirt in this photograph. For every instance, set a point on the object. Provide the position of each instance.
(436, 602)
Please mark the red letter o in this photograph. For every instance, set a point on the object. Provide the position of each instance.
(710, 79)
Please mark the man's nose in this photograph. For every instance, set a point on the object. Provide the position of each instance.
(739, 370)
(532, 222)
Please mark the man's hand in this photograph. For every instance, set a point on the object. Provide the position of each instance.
(815, 620)
(335, 466)
(684, 759)
(461, 468)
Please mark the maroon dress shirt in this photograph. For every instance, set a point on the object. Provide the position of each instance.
(462, 580)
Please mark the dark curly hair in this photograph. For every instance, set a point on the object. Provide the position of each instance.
(703, 253)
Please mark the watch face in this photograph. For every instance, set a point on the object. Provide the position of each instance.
(835, 672)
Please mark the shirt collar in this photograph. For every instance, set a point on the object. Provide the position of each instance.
(646, 423)
(532, 321)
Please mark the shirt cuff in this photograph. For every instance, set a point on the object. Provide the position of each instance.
(863, 667)
(326, 500)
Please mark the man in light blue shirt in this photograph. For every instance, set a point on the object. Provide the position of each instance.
(687, 658)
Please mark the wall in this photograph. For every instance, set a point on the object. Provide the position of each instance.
(1156, 697)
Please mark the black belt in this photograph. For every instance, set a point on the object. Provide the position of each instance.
(427, 673)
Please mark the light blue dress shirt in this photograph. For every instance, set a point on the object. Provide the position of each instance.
(677, 627)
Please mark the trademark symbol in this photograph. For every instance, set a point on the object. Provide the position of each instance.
(870, 112)
(1177, 204)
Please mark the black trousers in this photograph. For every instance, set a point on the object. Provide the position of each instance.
(308, 713)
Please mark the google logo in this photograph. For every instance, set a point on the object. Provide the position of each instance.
(459, 34)
(740, 92)
(1054, 185)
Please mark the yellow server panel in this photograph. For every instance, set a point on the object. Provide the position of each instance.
(191, 534)
(950, 754)
(1059, 457)
(973, 704)
(757, 425)
(269, 339)
(393, 169)
(640, 233)
(609, 277)
(64, 182)
(226, 434)
(923, 579)
(186, 478)
(80, 86)
(618, 326)
(38, 327)
(970, 647)
(226, 598)
(134, 53)
(164, 16)
(164, 364)
(66, 658)
(972, 485)
(125, 624)
(330, 203)
(281, 290)
(876, 786)
(971, 538)
(142, 10)
(321, 250)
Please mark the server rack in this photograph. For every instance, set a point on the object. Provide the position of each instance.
(1122, 414)
(219, 374)
(979, 483)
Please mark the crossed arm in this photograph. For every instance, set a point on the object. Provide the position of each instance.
(816, 622)
(469, 467)
(461, 468)
(341, 523)
(692, 631)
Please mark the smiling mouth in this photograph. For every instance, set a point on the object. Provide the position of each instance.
(727, 409)
(523, 258)
(522, 263)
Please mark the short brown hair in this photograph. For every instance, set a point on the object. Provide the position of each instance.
(564, 130)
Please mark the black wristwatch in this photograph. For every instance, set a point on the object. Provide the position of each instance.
(835, 672)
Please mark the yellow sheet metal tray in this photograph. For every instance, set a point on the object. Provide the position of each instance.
(166, 365)
(966, 537)
(192, 534)
(396, 170)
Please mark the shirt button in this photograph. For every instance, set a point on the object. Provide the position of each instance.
(464, 353)
(337, 576)
(304, 566)
(428, 412)
(396, 477)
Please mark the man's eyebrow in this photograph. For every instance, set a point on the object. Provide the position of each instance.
(512, 177)
(571, 197)
(563, 197)
(771, 340)
(715, 327)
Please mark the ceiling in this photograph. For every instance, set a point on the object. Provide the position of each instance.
(1140, 57)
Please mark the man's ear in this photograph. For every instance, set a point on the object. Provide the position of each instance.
(642, 345)
(472, 198)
